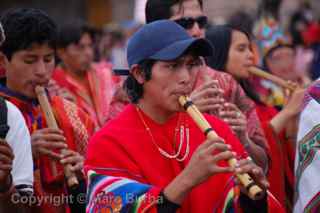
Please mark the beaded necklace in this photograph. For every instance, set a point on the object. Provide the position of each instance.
(184, 132)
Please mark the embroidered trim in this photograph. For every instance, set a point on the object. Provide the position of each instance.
(80, 132)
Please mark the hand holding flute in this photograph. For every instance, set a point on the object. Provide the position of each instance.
(254, 191)
(275, 79)
(201, 167)
(53, 127)
(208, 97)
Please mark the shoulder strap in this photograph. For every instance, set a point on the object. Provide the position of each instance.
(4, 128)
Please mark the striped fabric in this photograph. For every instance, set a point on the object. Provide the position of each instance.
(307, 165)
(117, 194)
(230, 204)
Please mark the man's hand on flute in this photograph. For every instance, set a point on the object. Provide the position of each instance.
(202, 165)
(208, 97)
(74, 159)
(294, 103)
(248, 166)
(288, 93)
(204, 161)
(45, 141)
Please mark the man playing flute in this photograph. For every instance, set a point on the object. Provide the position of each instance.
(27, 55)
(153, 157)
(215, 92)
(90, 84)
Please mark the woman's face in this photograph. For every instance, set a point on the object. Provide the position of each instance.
(240, 56)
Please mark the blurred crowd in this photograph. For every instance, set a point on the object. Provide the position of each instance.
(98, 86)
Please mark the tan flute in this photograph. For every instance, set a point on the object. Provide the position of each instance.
(263, 74)
(255, 192)
(72, 180)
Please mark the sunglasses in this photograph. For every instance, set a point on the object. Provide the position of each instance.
(188, 22)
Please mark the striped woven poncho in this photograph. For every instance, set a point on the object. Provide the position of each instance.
(307, 165)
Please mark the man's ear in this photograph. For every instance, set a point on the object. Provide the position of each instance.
(137, 73)
(3, 60)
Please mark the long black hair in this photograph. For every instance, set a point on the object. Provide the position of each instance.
(220, 36)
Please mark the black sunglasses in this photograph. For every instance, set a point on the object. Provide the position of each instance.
(188, 22)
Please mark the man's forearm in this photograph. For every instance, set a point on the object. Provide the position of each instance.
(280, 121)
(178, 189)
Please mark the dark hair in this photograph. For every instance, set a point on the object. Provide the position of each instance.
(220, 37)
(162, 9)
(133, 88)
(241, 20)
(71, 33)
(24, 27)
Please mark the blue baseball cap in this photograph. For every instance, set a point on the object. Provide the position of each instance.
(162, 40)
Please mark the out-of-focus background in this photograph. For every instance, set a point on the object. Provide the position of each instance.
(116, 20)
(100, 12)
